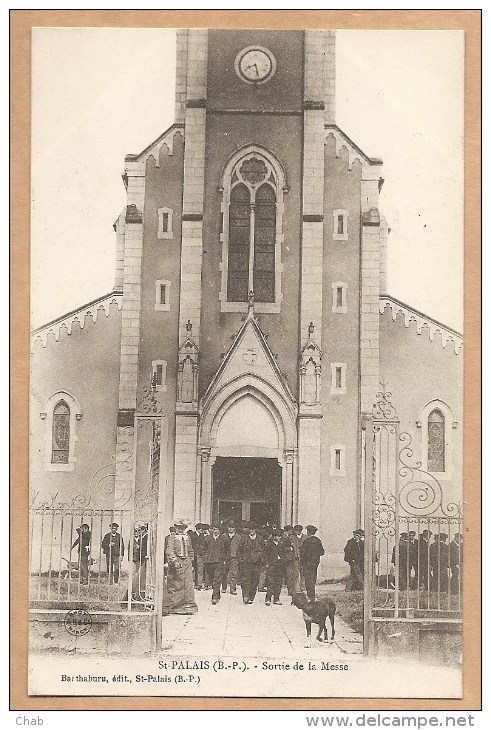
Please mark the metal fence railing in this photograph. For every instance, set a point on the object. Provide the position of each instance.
(75, 557)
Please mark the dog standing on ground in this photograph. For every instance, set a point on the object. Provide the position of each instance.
(316, 613)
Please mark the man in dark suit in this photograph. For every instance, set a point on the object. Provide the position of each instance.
(412, 546)
(456, 560)
(403, 560)
(310, 554)
(440, 563)
(250, 554)
(193, 535)
(354, 552)
(113, 549)
(214, 559)
(275, 553)
(424, 560)
(298, 538)
(83, 542)
(292, 561)
(231, 568)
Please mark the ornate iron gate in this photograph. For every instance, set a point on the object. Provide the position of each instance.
(74, 559)
(413, 537)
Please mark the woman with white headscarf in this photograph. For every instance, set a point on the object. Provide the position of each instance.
(179, 556)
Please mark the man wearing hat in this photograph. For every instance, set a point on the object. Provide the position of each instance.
(310, 554)
(298, 538)
(412, 547)
(440, 563)
(404, 568)
(231, 566)
(354, 552)
(250, 554)
(179, 557)
(456, 559)
(275, 555)
(113, 549)
(83, 542)
(423, 574)
(292, 562)
(203, 531)
(215, 557)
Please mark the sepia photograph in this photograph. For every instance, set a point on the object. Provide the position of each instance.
(246, 375)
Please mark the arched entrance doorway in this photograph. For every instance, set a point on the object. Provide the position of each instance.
(246, 488)
(248, 455)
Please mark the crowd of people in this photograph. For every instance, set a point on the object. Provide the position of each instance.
(226, 556)
(427, 565)
(221, 557)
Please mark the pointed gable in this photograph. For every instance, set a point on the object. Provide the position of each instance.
(250, 354)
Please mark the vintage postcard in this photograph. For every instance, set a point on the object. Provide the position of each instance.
(246, 414)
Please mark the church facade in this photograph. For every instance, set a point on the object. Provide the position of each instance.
(250, 313)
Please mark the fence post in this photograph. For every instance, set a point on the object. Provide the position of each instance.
(368, 487)
(161, 522)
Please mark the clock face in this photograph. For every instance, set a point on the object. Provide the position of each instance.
(255, 65)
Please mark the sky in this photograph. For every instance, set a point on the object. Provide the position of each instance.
(101, 93)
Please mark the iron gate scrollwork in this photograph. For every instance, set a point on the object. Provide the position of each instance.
(414, 538)
(72, 559)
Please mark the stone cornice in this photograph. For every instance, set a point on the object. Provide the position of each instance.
(79, 315)
(421, 320)
(153, 149)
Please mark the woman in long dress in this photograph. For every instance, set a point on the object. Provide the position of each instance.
(179, 556)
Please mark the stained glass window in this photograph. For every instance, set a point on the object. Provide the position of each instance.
(60, 443)
(436, 441)
(239, 242)
(264, 245)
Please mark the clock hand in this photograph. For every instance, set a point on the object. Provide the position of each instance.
(252, 65)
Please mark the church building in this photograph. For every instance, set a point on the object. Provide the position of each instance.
(233, 370)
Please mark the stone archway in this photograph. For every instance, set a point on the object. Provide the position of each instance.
(248, 418)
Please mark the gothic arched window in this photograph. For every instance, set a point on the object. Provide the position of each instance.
(60, 440)
(253, 187)
(61, 416)
(436, 441)
(437, 423)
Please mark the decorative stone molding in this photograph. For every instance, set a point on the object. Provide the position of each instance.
(153, 149)
(78, 315)
(187, 373)
(310, 373)
(421, 320)
(354, 152)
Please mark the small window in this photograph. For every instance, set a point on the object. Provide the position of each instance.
(60, 442)
(165, 223)
(159, 374)
(339, 297)
(62, 414)
(437, 423)
(436, 441)
(338, 378)
(340, 225)
(162, 295)
(338, 460)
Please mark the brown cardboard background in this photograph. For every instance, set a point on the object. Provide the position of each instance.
(21, 23)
